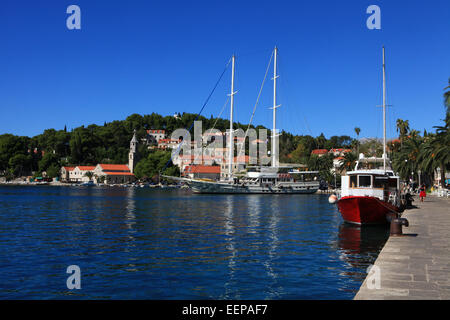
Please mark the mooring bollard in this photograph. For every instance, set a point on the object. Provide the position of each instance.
(396, 226)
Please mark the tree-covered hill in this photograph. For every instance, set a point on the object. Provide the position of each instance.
(109, 143)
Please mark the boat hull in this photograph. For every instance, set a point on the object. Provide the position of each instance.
(226, 188)
(365, 210)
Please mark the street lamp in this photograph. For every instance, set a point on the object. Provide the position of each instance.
(420, 172)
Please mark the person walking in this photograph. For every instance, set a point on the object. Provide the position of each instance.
(422, 193)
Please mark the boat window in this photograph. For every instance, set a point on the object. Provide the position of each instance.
(380, 181)
(364, 181)
(353, 181)
(393, 183)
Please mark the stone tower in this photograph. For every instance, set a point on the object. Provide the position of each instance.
(132, 157)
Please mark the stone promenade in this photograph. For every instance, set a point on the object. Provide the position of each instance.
(415, 267)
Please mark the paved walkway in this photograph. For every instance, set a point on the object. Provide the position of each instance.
(415, 267)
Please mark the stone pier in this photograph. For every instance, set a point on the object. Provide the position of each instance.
(415, 266)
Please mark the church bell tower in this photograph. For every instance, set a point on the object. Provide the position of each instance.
(132, 157)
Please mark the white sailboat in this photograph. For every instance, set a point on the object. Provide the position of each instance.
(274, 179)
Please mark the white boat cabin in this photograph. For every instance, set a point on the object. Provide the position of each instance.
(371, 179)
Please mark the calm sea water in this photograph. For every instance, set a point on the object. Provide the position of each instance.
(141, 243)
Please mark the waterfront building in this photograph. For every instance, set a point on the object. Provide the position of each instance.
(65, 171)
(113, 174)
(78, 174)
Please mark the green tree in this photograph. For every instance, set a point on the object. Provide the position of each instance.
(323, 164)
(89, 175)
(357, 131)
(48, 160)
(347, 163)
(402, 128)
(19, 164)
(154, 163)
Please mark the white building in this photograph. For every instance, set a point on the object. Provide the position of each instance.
(113, 174)
(79, 174)
(153, 136)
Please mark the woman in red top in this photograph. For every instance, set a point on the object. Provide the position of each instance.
(422, 193)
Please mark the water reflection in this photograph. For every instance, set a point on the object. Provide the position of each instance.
(359, 246)
(231, 247)
(170, 244)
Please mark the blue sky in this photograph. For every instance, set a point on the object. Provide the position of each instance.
(165, 57)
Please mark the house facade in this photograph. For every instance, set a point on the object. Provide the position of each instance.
(153, 136)
(80, 174)
(65, 173)
(113, 174)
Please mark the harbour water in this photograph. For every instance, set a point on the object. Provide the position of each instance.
(142, 243)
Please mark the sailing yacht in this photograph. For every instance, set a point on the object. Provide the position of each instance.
(371, 192)
(274, 179)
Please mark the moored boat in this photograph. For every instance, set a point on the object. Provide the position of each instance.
(371, 193)
(259, 179)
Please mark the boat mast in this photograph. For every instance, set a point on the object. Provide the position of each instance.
(231, 141)
(384, 113)
(275, 76)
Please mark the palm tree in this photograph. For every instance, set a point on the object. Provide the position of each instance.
(323, 164)
(89, 174)
(357, 130)
(447, 96)
(402, 128)
(348, 162)
(407, 160)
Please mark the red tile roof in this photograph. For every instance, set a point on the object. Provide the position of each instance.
(69, 168)
(114, 167)
(86, 168)
(202, 169)
(110, 173)
(319, 151)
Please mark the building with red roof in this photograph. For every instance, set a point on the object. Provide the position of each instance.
(80, 174)
(153, 136)
(65, 173)
(319, 152)
(113, 173)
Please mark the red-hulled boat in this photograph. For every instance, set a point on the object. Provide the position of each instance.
(371, 192)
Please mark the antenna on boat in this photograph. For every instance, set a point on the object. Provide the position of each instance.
(231, 150)
(384, 113)
(275, 106)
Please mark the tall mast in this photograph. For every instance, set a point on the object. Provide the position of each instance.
(231, 141)
(384, 113)
(275, 76)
